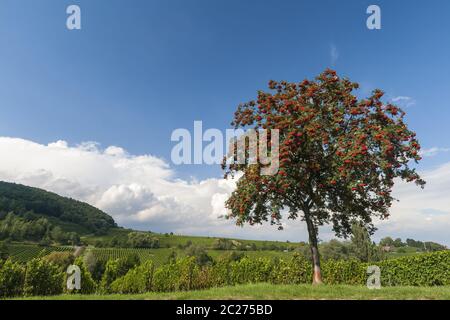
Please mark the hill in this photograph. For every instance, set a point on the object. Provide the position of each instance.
(34, 215)
(36, 205)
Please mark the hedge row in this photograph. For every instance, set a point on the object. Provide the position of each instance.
(40, 277)
(431, 269)
(423, 270)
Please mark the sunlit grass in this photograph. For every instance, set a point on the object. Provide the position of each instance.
(264, 291)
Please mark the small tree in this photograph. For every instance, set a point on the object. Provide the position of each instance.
(398, 243)
(362, 246)
(339, 157)
(387, 242)
(202, 258)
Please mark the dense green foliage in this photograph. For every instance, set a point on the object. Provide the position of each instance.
(202, 258)
(88, 285)
(32, 205)
(45, 277)
(183, 274)
(31, 228)
(117, 268)
(137, 280)
(428, 246)
(42, 278)
(142, 240)
(12, 276)
(363, 248)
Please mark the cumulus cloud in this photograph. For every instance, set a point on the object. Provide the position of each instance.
(139, 191)
(143, 192)
(422, 214)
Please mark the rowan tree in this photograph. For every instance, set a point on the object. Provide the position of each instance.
(339, 157)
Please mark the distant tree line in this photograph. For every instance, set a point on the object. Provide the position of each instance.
(428, 246)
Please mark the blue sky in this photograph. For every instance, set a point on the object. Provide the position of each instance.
(134, 73)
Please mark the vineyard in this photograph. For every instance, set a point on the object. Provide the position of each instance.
(26, 252)
(254, 254)
(158, 256)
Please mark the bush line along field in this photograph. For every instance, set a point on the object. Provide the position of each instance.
(43, 277)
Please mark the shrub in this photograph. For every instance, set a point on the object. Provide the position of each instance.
(88, 284)
(249, 270)
(137, 280)
(12, 276)
(124, 276)
(43, 278)
(117, 268)
(201, 256)
(220, 273)
(350, 272)
(295, 271)
(142, 240)
(431, 269)
(182, 275)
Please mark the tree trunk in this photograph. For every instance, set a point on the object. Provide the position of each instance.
(317, 274)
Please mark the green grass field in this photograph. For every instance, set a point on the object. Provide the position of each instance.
(264, 291)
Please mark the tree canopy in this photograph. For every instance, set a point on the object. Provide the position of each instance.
(339, 157)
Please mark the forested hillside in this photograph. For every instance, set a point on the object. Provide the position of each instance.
(29, 213)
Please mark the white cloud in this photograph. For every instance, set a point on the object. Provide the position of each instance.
(142, 191)
(422, 214)
(404, 101)
(431, 152)
(139, 191)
